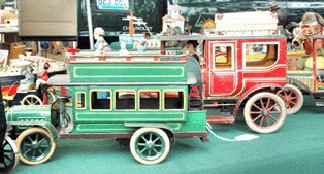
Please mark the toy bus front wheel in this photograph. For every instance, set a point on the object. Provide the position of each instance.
(150, 145)
(36, 146)
(11, 156)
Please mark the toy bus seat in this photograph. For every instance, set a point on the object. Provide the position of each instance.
(269, 59)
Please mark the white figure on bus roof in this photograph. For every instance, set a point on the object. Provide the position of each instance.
(123, 51)
(101, 45)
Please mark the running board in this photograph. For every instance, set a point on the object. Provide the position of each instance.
(218, 119)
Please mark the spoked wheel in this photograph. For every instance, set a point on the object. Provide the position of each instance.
(50, 98)
(292, 97)
(150, 145)
(265, 113)
(31, 100)
(36, 146)
(11, 156)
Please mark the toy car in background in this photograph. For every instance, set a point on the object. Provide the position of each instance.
(45, 94)
(309, 81)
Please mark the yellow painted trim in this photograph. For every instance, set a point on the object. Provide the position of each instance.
(139, 97)
(135, 98)
(85, 100)
(80, 129)
(100, 109)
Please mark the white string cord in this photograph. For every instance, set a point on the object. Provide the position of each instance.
(244, 137)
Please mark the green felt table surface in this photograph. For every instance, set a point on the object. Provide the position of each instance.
(298, 147)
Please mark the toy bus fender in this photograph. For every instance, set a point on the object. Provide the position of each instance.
(162, 126)
(41, 124)
(251, 91)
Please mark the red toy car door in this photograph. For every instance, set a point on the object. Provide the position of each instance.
(222, 69)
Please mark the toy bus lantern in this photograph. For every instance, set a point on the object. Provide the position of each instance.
(142, 101)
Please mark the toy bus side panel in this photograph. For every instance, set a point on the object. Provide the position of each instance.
(245, 77)
(273, 74)
(89, 120)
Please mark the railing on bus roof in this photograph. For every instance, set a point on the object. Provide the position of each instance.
(214, 32)
(109, 59)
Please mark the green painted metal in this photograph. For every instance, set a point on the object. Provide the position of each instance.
(196, 122)
(102, 128)
(29, 114)
(141, 72)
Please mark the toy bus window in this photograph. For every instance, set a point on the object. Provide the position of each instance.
(101, 100)
(261, 55)
(223, 57)
(173, 100)
(80, 100)
(149, 100)
(125, 100)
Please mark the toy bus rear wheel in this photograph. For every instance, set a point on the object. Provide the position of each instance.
(150, 145)
(36, 146)
(292, 97)
(265, 113)
(11, 156)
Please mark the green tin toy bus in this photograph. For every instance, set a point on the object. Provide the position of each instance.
(142, 101)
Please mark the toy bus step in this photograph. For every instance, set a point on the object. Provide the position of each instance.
(217, 105)
(320, 104)
(219, 119)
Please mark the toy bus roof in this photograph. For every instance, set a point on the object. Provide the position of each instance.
(65, 80)
(204, 37)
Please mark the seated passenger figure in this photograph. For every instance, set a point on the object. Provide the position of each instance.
(29, 79)
(191, 45)
(43, 76)
(101, 45)
(142, 46)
